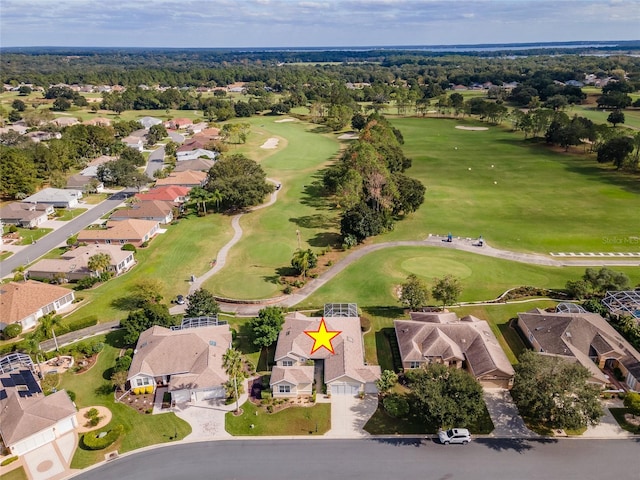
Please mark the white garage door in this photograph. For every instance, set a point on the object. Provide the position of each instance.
(211, 394)
(64, 426)
(34, 442)
(345, 388)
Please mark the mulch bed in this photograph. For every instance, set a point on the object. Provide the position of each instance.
(140, 403)
(86, 363)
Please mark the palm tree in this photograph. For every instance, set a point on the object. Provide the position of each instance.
(99, 262)
(304, 260)
(200, 196)
(20, 273)
(217, 197)
(232, 363)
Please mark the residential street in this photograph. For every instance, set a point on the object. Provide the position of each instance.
(380, 458)
(156, 161)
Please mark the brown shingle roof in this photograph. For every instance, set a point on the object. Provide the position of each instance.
(131, 229)
(189, 177)
(77, 260)
(192, 357)
(149, 209)
(293, 375)
(22, 417)
(19, 300)
(198, 164)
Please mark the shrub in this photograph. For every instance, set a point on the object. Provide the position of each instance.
(72, 395)
(91, 413)
(50, 382)
(365, 323)
(86, 282)
(266, 395)
(396, 406)
(9, 460)
(144, 244)
(93, 421)
(129, 247)
(137, 390)
(92, 442)
(81, 323)
(12, 331)
(13, 229)
(122, 364)
(287, 290)
(148, 389)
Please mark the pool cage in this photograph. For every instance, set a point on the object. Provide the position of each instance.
(625, 302)
(340, 310)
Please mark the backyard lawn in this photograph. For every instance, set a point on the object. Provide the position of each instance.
(32, 235)
(140, 430)
(186, 248)
(70, 213)
(314, 420)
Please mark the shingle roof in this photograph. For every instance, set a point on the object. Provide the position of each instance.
(445, 336)
(77, 260)
(293, 375)
(130, 229)
(148, 209)
(348, 359)
(188, 177)
(20, 211)
(22, 417)
(19, 300)
(192, 357)
(198, 164)
(165, 193)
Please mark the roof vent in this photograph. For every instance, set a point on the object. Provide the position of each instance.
(212, 343)
(349, 339)
(568, 334)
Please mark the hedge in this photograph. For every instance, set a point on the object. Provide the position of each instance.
(81, 323)
(7, 461)
(92, 442)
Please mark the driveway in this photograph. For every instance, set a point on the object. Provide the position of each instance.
(608, 427)
(206, 418)
(349, 415)
(52, 460)
(504, 414)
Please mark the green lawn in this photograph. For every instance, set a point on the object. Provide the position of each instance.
(543, 201)
(383, 424)
(5, 255)
(186, 248)
(15, 474)
(140, 430)
(270, 237)
(631, 117)
(31, 235)
(70, 214)
(618, 414)
(314, 420)
(95, 198)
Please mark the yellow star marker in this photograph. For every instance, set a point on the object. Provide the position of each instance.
(322, 337)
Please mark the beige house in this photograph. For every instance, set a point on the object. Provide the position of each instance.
(189, 178)
(442, 337)
(187, 361)
(26, 302)
(132, 231)
(28, 419)
(585, 338)
(27, 215)
(74, 263)
(155, 210)
(344, 372)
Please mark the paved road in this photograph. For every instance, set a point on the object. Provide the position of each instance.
(383, 459)
(156, 161)
(57, 237)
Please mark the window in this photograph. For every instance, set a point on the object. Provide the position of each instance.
(143, 381)
(284, 388)
(414, 364)
(287, 363)
(107, 241)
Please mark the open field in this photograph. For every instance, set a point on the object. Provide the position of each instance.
(185, 249)
(270, 234)
(543, 200)
(631, 116)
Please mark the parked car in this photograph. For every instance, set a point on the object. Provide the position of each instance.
(278, 186)
(180, 300)
(454, 435)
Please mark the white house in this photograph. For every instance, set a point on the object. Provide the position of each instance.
(26, 302)
(58, 197)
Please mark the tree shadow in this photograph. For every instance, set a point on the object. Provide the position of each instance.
(320, 129)
(116, 339)
(326, 239)
(519, 445)
(315, 195)
(402, 442)
(286, 271)
(318, 220)
(385, 312)
(273, 279)
(127, 303)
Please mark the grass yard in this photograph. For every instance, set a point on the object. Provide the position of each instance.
(32, 235)
(15, 474)
(186, 248)
(543, 201)
(590, 111)
(95, 198)
(314, 420)
(382, 423)
(5, 255)
(140, 430)
(618, 414)
(70, 214)
(270, 235)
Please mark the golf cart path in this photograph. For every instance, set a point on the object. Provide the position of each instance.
(252, 307)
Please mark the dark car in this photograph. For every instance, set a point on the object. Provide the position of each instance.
(180, 300)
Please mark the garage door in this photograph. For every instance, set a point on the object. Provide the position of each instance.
(211, 394)
(344, 389)
(34, 442)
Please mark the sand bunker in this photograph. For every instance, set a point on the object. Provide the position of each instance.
(285, 120)
(348, 136)
(475, 129)
(270, 143)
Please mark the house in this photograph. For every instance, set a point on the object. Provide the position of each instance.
(198, 165)
(188, 361)
(197, 153)
(178, 123)
(91, 170)
(98, 122)
(26, 215)
(58, 197)
(188, 178)
(172, 193)
(585, 338)
(39, 136)
(87, 184)
(148, 122)
(133, 231)
(74, 263)
(65, 121)
(192, 144)
(134, 142)
(197, 127)
(28, 418)
(345, 372)
(26, 302)
(468, 342)
(155, 210)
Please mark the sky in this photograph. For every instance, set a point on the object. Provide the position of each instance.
(311, 23)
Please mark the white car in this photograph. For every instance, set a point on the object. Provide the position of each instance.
(454, 435)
